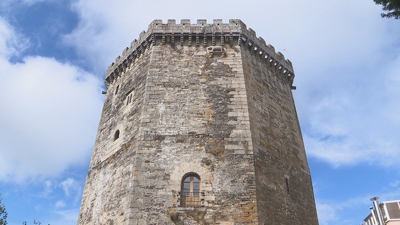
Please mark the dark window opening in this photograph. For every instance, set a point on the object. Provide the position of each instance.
(129, 99)
(287, 184)
(116, 135)
(190, 191)
(116, 90)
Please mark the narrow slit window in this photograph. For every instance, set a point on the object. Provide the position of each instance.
(116, 90)
(116, 135)
(287, 184)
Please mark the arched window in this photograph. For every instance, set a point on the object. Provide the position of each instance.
(116, 135)
(190, 190)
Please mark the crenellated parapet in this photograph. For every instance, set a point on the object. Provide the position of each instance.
(200, 34)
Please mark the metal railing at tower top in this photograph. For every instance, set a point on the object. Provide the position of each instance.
(191, 199)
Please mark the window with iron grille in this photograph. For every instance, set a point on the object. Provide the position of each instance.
(190, 191)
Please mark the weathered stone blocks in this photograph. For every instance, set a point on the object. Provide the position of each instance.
(209, 102)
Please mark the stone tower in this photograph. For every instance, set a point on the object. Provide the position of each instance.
(199, 126)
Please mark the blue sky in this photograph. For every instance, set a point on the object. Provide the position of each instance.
(53, 58)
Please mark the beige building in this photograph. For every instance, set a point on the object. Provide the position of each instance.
(199, 126)
(390, 211)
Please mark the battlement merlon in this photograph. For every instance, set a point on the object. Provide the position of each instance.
(235, 27)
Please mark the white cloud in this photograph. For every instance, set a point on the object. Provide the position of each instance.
(31, 2)
(27, 2)
(344, 55)
(47, 188)
(49, 113)
(395, 183)
(348, 117)
(336, 212)
(350, 211)
(326, 214)
(9, 6)
(67, 217)
(302, 30)
(69, 184)
(60, 204)
(354, 124)
(11, 43)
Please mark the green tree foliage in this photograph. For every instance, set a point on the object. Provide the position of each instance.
(392, 7)
(3, 213)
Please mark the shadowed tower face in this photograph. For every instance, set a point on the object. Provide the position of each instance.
(199, 127)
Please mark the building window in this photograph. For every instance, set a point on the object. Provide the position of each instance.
(116, 90)
(129, 99)
(393, 210)
(129, 96)
(116, 135)
(190, 191)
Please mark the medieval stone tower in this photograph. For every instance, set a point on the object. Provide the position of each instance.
(199, 127)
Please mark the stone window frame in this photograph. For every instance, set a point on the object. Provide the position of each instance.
(191, 194)
(129, 96)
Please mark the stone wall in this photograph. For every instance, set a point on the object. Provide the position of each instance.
(206, 99)
(284, 189)
(108, 190)
(195, 119)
